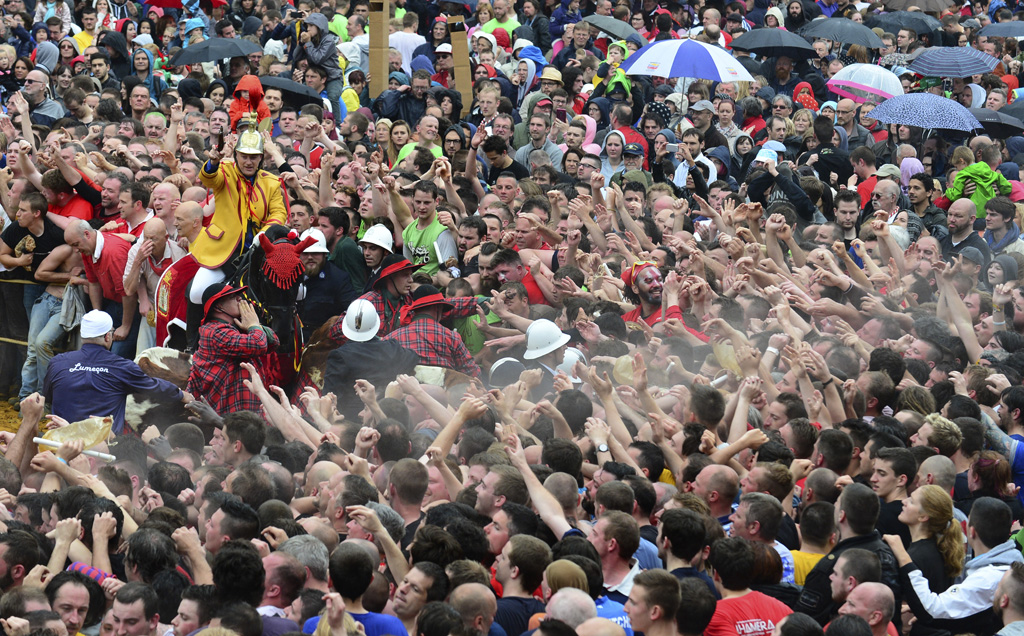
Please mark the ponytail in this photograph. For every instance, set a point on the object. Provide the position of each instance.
(944, 528)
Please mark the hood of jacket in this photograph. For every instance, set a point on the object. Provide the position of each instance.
(116, 41)
(1010, 170)
(189, 87)
(252, 84)
(1005, 553)
(522, 33)
(533, 53)
(605, 105)
(149, 56)
(251, 25)
(722, 154)
(565, 6)
(217, 82)
(318, 20)
(619, 79)
(47, 56)
(621, 44)
(458, 131)
(604, 150)
(732, 144)
(977, 96)
(591, 133)
(421, 62)
(670, 136)
(74, 43)
(1007, 262)
(526, 108)
(844, 139)
(531, 75)
(777, 12)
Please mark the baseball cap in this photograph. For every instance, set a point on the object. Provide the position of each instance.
(973, 254)
(703, 105)
(543, 102)
(766, 155)
(777, 146)
(96, 323)
(767, 93)
(444, 48)
(734, 17)
(888, 171)
(633, 149)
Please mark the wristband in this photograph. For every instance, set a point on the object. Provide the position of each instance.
(999, 323)
(827, 382)
(772, 350)
(62, 460)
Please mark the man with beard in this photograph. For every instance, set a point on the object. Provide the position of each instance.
(110, 196)
(919, 191)
(19, 553)
(960, 220)
(471, 233)
(784, 81)
(488, 281)
(644, 289)
(1009, 602)
(328, 289)
(847, 207)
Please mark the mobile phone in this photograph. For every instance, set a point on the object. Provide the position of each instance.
(296, 14)
(561, 114)
(671, 147)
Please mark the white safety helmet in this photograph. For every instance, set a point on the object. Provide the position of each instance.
(543, 337)
(361, 322)
(380, 236)
(320, 247)
(572, 356)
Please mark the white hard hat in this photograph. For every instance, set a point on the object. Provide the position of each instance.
(572, 356)
(320, 247)
(380, 236)
(543, 337)
(362, 322)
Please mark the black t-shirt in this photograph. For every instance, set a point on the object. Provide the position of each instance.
(889, 523)
(515, 168)
(514, 613)
(51, 238)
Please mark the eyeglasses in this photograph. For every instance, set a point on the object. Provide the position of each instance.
(590, 165)
(780, 107)
(877, 195)
(32, 81)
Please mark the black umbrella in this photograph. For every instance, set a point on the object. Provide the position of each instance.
(1016, 109)
(611, 26)
(998, 124)
(896, 20)
(843, 30)
(214, 50)
(775, 43)
(1013, 29)
(293, 93)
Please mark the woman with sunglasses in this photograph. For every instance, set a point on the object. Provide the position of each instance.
(68, 49)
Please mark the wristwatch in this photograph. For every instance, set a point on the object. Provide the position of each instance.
(603, 448)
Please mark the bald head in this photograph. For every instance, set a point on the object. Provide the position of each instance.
(963, 205)
(718, 479)
(571, 606)
(195, 193)
(320, 472)
(188, 220)
(873, 602)
(937, 470)
(599, 627)
(476, 604)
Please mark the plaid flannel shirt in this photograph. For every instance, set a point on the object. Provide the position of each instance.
(390, 310)
(436, 345)
(216, 372)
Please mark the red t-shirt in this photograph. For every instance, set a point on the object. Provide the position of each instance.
(534, 293)
(865, 188)
(77, 207)
(109, 270)
(754, 614)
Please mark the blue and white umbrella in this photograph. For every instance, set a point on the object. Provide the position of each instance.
(925, 110)
(953, 61)
(686, 58)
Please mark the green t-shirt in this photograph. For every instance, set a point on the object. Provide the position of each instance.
(510, 25)
(470, 331)
(419, 245)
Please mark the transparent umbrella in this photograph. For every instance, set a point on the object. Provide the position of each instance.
(866, 83)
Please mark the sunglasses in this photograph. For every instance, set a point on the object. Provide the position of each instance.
(638, 266)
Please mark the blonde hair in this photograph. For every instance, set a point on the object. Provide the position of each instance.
(323, 628)
(962, 154)
(805, 112)
(943, 527)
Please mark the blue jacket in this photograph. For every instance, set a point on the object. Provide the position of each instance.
(94, 381)
(561, 17)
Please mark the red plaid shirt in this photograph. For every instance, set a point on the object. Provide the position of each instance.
(389, 311)
(216, 374)
(436, 345)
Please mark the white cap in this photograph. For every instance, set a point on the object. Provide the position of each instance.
(143, 39)
(96, 323)
(320, 247)
(380, 236)
(764, 154)
(444, 48)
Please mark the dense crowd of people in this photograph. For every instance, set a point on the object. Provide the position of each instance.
(546, 348)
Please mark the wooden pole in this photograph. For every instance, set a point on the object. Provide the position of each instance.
(379, 18)
(460, 58)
